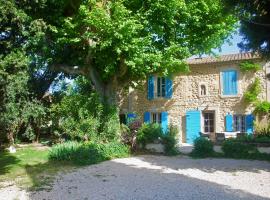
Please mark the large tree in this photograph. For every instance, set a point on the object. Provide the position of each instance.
(254, 16)
(116, 43)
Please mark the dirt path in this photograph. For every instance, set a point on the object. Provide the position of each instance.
(159, 177)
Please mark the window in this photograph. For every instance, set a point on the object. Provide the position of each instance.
(156, 118)
(208, 122)
(239, 123)
(229, 82)
(203, 90)
(161, 87)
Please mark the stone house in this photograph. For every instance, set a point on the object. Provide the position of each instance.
(209, 99)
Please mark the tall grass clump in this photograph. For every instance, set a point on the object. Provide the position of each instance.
(88, 153)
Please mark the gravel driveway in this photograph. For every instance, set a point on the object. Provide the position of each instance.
(159, 177)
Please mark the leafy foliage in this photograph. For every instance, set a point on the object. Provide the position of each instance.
(169, 141)
(119, 43)
(251, 95)
(236, 149)
(249, 66)
(255, 19)
(82, 116)
(148, 133)
(262, 107)
(88, 153)
(202, 148)
(262, 130)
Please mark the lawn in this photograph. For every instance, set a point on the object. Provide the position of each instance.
(29, 168)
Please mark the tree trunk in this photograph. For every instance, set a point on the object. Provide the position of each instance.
(10, 137)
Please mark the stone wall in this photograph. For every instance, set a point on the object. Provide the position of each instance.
(186, 96)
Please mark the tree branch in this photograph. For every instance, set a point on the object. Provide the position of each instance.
(72, 70)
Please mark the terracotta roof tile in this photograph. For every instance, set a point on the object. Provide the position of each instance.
(223, 58)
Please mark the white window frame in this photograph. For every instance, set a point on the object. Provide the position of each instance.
(156, 88)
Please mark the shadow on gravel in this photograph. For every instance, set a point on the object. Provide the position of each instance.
(128, 179)
(210, 164)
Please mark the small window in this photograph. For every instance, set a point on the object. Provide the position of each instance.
(161, 87)
(239, 123)
(156, 118)
(203, 90)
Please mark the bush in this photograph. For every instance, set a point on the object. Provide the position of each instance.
(263, 130)
(202, 148)
(169, 141)
(129, 133)
(236, 149)
(148, 133)
(88, 153)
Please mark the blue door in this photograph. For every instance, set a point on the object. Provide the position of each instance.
(193, 125)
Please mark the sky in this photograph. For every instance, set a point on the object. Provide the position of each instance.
(230, 49)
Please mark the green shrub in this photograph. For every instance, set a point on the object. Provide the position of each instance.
(262, 107)
(88, 153)
(236, 149)
(169, 141)
(249, 66)
(202, 148)
(148, 133)
(262, 130)
(251, 95)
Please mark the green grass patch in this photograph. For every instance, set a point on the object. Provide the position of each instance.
(29, 168)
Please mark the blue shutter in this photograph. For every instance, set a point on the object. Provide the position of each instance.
(131, 117)
(164, 122)
(147, 117)
(233, 79)
(229, 123)
(249, 124)
(151, 82)
(225, 84)
(229, 82)
(193, 125)
(169, 88)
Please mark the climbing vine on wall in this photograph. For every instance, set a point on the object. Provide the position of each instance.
(262, 107)
(251, 95)
(247, 66)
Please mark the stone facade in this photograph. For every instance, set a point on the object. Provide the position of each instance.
(186, 95)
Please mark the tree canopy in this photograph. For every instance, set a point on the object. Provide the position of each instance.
(254, 19)
(116, 43)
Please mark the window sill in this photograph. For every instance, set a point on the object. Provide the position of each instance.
(230, 96)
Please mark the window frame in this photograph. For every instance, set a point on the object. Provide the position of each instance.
(241, 121)
(160, 87)
(155, 118)
(222, 86)
(200, 89)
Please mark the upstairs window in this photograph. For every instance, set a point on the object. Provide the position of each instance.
(161, 87)
(229, 82)
(203, 90)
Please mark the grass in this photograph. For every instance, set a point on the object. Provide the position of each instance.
(29, 168)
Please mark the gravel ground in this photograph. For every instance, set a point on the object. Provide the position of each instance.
(158, 178)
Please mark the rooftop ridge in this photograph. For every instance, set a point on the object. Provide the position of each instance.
(224, 58)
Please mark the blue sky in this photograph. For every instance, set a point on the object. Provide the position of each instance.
(233, 48)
